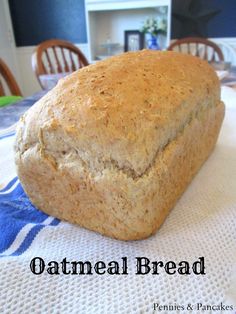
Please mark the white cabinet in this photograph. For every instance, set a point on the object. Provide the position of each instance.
(107, 20)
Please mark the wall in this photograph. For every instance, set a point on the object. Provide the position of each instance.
(7, 44)
(221, 25)
(38, 20)
(224, 24)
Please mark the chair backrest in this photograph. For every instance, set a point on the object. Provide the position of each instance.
(57, 56)
(200, 47)
(7, 81)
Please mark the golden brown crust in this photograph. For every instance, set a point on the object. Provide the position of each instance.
(111, 147)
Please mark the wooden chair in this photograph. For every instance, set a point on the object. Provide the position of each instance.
(57, 56)
(7, 81)
(200, 47)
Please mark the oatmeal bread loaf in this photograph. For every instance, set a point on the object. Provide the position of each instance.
(114, 145)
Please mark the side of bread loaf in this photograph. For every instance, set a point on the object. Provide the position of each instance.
(115, 144)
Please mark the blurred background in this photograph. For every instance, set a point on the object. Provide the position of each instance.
(101, 28)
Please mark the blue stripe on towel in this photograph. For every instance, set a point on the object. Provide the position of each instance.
(13, 194)
(28, 240)
(9, 185)
(16, 214)
(55, 222)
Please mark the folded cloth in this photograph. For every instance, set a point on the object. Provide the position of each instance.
(202, 224)
(20, 221)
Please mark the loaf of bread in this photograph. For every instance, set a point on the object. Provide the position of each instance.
(114, 145)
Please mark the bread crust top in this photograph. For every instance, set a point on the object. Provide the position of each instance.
(122, 110)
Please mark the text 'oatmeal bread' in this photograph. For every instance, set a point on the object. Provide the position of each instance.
(114, 145)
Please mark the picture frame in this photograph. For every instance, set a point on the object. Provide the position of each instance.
(134, 40)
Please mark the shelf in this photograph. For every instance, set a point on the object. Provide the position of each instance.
(105, 5)
(107, 21)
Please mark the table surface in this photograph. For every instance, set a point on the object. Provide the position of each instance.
(11, 114)
(230, 79)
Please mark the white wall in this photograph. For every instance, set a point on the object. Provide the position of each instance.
(7, 43)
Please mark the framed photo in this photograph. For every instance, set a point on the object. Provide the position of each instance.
(134, 40)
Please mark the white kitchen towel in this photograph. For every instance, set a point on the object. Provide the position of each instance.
(202, 224)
